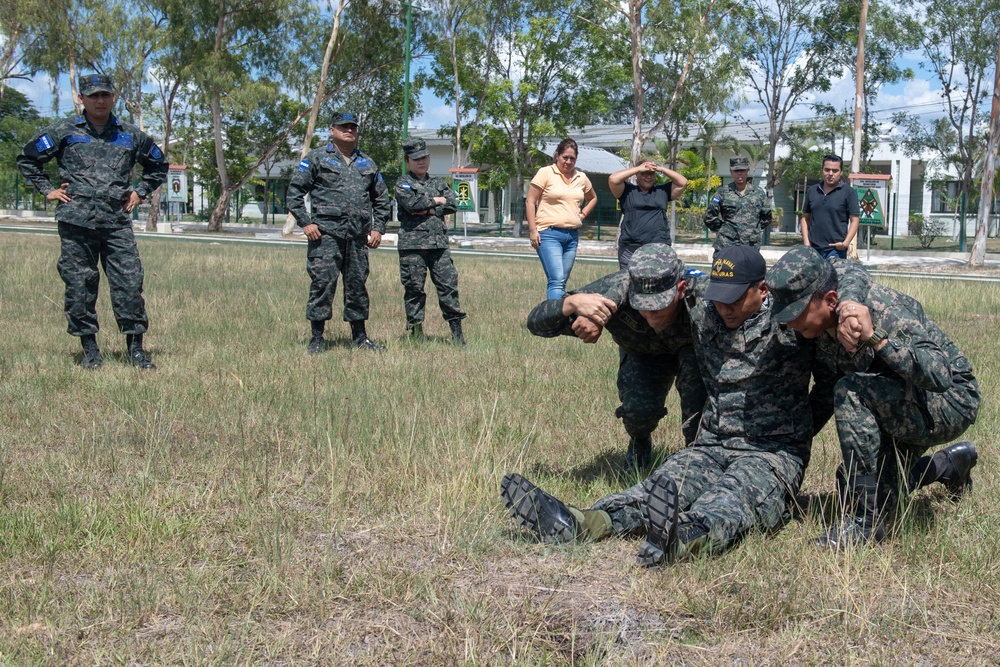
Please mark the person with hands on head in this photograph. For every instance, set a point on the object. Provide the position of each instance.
(96, 153)
(902, 387)
(644, 206)
(560, 198)
(350, 209)
(645, 310)
(423, 202)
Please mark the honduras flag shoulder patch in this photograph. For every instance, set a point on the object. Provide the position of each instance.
(43, 144)
(303, 165)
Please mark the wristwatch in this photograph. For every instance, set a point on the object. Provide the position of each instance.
(878, 335)
(142, 191)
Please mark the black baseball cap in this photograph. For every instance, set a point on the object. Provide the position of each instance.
(734, 269)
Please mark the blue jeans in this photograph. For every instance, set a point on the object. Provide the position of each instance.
(833, 253)
(557, 250)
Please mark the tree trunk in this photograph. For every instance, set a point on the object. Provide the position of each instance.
(635, 34)
(978, 256)
(318, 100)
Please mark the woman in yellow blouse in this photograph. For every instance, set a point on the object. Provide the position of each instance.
(559, 200)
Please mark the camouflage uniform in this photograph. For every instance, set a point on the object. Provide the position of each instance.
(916, 392)
(756, 431)
(738, 219)
(423, 244)
(651, 362)
(93, 225)
(349, 199)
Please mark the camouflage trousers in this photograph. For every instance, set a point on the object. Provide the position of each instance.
(413, 266)
(728, 491)
(885, 424)
(80, 251)
(643, 383)
(328, 259)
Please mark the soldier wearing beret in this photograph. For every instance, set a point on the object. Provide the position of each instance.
(350, 209)
(96, 153)
(738, 212)
(644, 309)
(753, 444)
(423, 202)
(902, 387)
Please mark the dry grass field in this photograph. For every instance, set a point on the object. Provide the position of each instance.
(247, 504)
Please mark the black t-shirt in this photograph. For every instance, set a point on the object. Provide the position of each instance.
(645, 214)
(831, 214)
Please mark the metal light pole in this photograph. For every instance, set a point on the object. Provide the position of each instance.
(406, 75)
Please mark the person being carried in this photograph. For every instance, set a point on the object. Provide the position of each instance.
(747, 461)
(902, 387)
(645, 311)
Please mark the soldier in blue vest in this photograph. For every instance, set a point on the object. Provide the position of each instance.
(97, 153)
(350, 208)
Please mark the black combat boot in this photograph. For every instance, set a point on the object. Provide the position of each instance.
(456, 332)
(415, 331)
(316, 340)
(361, 339)
(546, 516)
(136, 354)
(952, 466)
(639, 454)
(863, 521)
(660, 515)
(91, 358)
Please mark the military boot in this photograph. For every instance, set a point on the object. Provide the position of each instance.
(91, 358)
(456, 332)
(863, 521)
(360, 337)
(952, 466)
(546, 516)
(660, 515)
(639, 454)
(316, 340)
(415, 331)
(136, 354)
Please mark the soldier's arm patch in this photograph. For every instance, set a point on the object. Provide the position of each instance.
(43, 144)
(378, 177)
(156, 153)
(303, 165)
(694, 273)
(405, 186)
(716, 199)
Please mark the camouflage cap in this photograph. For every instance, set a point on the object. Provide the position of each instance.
(739, 163)
(415, 148)
(734, 269)
(653, 273)
(95, 83)
(343, 118)
(794, 279)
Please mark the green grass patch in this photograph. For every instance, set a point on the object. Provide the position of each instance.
(249, 504)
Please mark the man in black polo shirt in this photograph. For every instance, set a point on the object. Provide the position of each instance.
(831, 215)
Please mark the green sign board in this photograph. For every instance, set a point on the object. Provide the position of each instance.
(871, 194)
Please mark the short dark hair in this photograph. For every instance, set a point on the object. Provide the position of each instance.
(830, 157)
(565, 144)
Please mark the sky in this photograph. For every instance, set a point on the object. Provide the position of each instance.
(920, 95)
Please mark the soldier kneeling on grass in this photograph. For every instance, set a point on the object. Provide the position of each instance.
(902, 387)
(748, 458)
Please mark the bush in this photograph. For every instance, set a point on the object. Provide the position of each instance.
(926, 230)
(691, 218)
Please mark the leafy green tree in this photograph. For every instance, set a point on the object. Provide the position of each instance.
(19, 121)
(958, 42)
(784, 57)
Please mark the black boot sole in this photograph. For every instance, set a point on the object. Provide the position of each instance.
(523, 500)
(660, 512)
